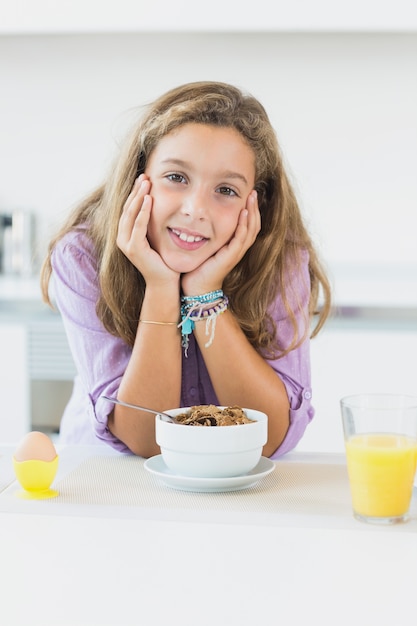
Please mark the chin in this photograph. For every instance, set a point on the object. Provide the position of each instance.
(183, 266)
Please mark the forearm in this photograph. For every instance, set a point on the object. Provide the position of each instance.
(153, 375)
(241, 376)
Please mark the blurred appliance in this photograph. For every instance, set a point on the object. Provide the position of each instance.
(17, 243)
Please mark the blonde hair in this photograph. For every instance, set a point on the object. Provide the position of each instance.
(267, 266)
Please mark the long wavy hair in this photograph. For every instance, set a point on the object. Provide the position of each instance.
(267, 266)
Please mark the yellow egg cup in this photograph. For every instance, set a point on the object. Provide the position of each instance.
(36, 478)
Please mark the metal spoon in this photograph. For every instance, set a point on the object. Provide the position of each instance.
(167, 417)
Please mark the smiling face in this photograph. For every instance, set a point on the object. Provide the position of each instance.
(201, 177)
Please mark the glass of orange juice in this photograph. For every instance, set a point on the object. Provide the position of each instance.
(380, 432)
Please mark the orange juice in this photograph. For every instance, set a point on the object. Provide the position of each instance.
(381, 471)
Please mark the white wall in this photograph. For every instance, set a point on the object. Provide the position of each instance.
(343, 105)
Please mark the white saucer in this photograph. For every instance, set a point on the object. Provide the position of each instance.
(156, 465)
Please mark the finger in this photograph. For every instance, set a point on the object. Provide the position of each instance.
(142, 217)
(132, 207)
(132, 238)
(139, 190)
(249, 224)
(242, 228)
(254, 215)
(134, 229)
(253, 207)
(133, 191)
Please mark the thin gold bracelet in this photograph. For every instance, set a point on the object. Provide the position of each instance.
(158, 323)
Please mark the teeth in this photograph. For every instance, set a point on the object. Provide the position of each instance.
(187, 238)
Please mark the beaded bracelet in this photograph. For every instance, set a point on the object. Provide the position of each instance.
(206, 297)
(205, 307)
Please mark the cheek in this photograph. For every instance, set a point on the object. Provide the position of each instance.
(152, 232)
(226, 225)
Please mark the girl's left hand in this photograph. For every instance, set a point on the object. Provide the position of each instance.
(210, 275)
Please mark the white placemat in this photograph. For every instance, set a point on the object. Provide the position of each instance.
(294, 493)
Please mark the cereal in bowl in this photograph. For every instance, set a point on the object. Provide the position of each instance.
(211, 415)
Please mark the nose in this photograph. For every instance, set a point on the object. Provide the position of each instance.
(195, 204)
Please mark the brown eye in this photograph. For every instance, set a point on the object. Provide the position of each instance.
(176, 178)
(227, 191)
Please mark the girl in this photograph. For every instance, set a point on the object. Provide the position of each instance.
(188, 277)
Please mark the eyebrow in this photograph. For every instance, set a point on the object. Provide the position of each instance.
(226, 174)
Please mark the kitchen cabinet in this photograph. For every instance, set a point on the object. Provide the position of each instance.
(14, 383)
(357, 355)
(95, 16)
(36, 367)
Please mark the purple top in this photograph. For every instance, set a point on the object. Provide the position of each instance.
(101, 358)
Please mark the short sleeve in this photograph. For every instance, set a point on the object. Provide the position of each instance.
(99, 357)
(294, 368)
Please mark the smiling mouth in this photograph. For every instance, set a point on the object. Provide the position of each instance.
(187, 237)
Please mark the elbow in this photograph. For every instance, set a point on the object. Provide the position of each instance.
(271, 446)
(278, 426)
(139, 437)
(144, 449)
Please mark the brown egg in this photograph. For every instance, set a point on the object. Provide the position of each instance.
(35, 446)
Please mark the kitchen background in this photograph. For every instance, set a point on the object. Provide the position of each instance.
(340, 84)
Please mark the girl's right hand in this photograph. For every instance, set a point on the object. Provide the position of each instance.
(132, 239)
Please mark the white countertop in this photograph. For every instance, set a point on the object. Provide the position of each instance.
(286, 550)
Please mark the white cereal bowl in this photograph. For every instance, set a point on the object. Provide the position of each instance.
(212, 451)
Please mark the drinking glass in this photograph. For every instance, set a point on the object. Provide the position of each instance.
(380, 432)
